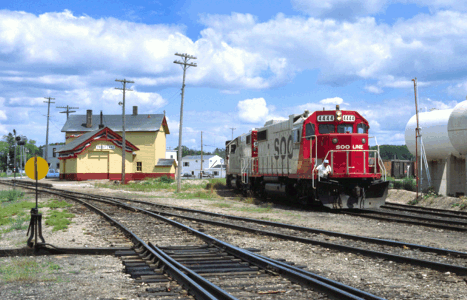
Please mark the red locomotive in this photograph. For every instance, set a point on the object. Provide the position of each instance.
(288, 157)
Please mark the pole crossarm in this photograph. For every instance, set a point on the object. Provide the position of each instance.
(67, 111)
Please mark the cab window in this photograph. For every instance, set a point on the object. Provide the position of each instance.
(362, 128)
(309, 131)
(326, 128)
(344, 128)
(296, 135)
(233, 148)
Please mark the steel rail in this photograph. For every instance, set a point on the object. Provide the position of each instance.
(426, 210)
(445, 221)
(197, 285)
(397, 258)
(367, 214)
(330, 287)
(295, 227)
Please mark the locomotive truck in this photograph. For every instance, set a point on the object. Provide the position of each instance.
(282, 157)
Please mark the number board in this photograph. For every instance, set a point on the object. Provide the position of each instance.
(348, 118)
(325, 118)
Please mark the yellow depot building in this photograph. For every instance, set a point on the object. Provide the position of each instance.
(93, 147)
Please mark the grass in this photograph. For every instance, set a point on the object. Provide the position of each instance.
(221, 205)
(197, 195)
(189, 190)
(260, 210)
(59, 219)
(14, 213)
(26, 269)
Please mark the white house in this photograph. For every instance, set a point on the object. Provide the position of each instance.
(171, 154)
(52, 154)
(192, 165)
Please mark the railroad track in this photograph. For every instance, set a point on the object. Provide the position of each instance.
(413, 217)
(426, 210)
(192, 257)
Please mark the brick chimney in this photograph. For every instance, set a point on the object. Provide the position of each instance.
(89, 118)
(101, 125)
(135, 110)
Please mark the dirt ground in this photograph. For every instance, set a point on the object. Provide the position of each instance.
(84, 231)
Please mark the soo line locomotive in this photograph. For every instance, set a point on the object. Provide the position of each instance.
(283, 158)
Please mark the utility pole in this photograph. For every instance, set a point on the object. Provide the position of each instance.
(232, 131)
(49, 100)
(185, 65)
(416, 134)
(124, 81)
(201, 173)
(68, 111)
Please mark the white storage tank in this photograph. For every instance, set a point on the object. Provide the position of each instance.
(457, 127)
(444, 132)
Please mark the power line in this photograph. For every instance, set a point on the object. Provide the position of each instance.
(185, 65)
(124, 81)
(47, 135)
(68, 111)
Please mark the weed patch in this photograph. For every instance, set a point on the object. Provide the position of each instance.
(10, 196)
(221, 205)
(54, 204)
(197, 195)
(26, 269)
(260, 210)
(59, 220)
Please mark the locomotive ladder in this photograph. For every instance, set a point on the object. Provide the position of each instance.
(245, 169)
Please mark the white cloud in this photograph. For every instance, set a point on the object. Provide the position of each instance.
(252, 110)
(134, 97)
(373, 89)
(335, 100)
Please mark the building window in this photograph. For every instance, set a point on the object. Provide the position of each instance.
(58, 165)
(186, 164)
(216, 173)
(196, 160)
(171, 156)
(139, 166)
(54, 151)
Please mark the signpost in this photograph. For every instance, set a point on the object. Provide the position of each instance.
(36, 168)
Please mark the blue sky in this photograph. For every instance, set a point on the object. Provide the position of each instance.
(257, 60)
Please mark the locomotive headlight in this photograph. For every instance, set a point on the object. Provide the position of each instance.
(338, 115)
(335, 140)
(363, 141)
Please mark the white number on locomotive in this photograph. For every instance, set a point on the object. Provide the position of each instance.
(348, 118)
(325, 118)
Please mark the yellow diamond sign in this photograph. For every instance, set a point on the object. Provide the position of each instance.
(42, 168)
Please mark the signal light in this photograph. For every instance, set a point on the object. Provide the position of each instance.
(363, 141)
(335, 140)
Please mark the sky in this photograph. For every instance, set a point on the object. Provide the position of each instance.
(256, 61)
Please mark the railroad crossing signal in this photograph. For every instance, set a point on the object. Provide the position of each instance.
(42, 168)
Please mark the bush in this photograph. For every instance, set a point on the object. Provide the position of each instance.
(408, 184)
(166, 179)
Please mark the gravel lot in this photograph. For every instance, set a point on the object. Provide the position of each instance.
(83, 277)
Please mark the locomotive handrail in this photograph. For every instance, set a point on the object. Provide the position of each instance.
(311, 158)
(378, 157)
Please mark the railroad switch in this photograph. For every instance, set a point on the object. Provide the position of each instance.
(35, 226)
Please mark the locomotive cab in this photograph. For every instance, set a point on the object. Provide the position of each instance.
(357, 178)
